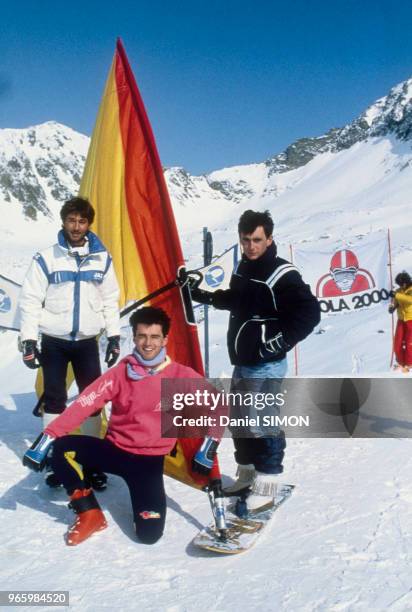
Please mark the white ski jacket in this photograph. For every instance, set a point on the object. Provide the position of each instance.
(68, 296)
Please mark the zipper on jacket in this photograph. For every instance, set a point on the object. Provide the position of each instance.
(76, 296)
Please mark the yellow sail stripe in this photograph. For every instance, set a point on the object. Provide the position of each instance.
(103, 183)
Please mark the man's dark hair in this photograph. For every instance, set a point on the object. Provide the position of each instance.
(403, 278)
(80, 206)
(149, 315)
(251, 219)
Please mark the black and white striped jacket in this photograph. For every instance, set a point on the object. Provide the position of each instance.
(266, 296)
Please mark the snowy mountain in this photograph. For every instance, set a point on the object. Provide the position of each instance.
(364, 166)
(390, 115)
(40, 166)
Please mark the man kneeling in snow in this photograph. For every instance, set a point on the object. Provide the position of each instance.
(133, 447)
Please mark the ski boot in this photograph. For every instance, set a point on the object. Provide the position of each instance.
(245, 476)
(89, 520)
(262, 494)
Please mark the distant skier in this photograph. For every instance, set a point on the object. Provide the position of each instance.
(70, 295)
(133, 447)
(402, 302)
(271, 310)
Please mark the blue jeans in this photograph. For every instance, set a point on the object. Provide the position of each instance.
(264, 446)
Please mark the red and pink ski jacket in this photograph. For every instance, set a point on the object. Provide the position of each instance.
(135, 421)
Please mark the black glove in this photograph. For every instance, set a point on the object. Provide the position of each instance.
(198, 295)
(204, 297)
(112, 351)
(31, 356)
(35, 458)
(194, 281)
(203, 460)
(275, 347)
(391, 308)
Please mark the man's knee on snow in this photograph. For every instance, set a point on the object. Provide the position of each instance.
(148, 538)
(149, 526)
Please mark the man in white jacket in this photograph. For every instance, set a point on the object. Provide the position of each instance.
(69, 296)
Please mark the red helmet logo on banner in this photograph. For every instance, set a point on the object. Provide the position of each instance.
(345, 276)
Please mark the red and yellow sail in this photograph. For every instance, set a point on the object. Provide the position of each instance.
(123, 179)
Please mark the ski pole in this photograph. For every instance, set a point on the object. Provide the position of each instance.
(216, 499)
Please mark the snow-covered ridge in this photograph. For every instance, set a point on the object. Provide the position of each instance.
(266, 184)
(40, 167)
(392, 113)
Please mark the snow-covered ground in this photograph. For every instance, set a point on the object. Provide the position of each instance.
(343, 541)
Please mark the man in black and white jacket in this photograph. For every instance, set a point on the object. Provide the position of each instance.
(271, 310)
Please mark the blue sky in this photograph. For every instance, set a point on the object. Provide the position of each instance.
(224, 83)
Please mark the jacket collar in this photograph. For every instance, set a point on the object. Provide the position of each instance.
(95, 244)
(258, 268)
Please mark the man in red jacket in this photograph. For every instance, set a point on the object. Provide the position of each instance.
(133, 447)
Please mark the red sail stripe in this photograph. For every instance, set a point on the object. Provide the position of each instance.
(150, 211)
